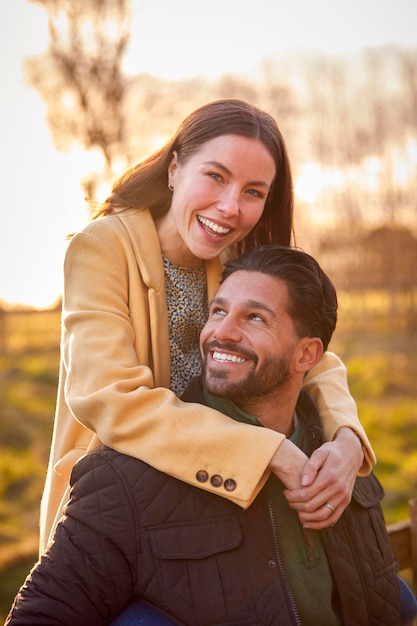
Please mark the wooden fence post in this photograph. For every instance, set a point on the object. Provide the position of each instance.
(413, 528)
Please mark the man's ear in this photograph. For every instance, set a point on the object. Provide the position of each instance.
(309, 351)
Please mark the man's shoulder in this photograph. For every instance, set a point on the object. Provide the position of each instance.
(105, 478)
(104, 462)
(307, 409)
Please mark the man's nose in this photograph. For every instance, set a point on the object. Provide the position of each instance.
(228, 330)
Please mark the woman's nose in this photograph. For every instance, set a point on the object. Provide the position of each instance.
(228, 203)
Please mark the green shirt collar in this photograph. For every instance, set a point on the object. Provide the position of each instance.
(228, 407)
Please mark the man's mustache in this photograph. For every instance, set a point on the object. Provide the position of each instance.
(213, 344)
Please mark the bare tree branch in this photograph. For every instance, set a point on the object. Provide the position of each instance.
(80, 76)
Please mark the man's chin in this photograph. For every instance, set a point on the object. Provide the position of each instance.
(224, 388)
(216, 390)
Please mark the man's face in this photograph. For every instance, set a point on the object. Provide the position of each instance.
(249, 339)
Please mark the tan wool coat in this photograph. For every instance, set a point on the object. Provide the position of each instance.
(115, 374)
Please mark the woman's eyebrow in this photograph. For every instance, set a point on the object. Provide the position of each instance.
(259, 183)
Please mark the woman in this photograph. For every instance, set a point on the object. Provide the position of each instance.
(137, 282)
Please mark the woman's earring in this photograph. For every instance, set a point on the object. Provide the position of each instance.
(170, 187)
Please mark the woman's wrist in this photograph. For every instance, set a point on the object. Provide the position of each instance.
(288, 464)
(346, 436)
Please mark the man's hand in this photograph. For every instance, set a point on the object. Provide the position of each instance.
(288, 463)
(327, 481)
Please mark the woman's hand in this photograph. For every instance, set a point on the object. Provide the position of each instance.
(327, 481)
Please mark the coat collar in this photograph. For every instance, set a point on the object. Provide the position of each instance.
(141, 230)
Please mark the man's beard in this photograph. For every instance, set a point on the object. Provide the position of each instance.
(271, 376)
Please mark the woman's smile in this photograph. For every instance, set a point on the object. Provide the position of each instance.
(213, 228)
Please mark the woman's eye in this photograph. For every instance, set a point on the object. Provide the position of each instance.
(257, 194)
(215, 176)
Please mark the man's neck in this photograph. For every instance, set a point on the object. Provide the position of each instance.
(274, 413)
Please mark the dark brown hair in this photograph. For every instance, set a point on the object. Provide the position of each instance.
(145, 184)
(312, 302)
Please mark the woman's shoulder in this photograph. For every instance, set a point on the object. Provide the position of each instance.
(133, 228)
(120, 222)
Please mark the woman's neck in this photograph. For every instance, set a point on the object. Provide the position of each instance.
(172, 246)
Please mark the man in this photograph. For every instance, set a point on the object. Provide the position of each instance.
(130, 530)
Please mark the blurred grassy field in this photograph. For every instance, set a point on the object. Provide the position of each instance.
(382, 374)
(29, 360)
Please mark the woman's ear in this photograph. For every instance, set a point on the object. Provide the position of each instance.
(171, 169)
(309, 351)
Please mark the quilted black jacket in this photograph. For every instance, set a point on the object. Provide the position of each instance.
(131, 530)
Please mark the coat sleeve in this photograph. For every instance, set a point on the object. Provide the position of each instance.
(110, 383)
(88, 573)
(327, 383)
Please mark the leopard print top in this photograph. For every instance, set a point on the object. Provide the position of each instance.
(186, 289)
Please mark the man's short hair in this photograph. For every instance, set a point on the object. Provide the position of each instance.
(312, 302)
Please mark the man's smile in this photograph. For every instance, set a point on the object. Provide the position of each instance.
(223, 357)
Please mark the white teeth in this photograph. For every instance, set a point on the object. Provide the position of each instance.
(221, 356)
(217, 229)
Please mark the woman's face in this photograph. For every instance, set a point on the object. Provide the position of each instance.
(219, 195)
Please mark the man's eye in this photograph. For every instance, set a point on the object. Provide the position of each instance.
(218, 311)
(256, 317)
